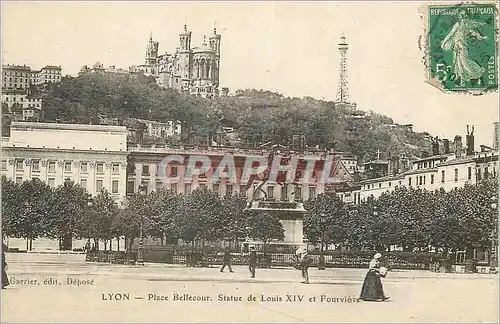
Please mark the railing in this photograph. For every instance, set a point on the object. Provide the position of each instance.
(199, 258)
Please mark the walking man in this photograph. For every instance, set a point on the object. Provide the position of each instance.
(304, 261)
(252, 261)
(226, 261)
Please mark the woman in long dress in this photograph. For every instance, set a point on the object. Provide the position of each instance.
(457, 41)
(372, 286)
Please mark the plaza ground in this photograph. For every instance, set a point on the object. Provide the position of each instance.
(416, 296)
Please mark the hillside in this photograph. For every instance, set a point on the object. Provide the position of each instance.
(257, 113)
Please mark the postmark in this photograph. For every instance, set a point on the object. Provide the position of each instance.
(461, 47)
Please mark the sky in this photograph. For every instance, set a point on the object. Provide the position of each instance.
(288, 47)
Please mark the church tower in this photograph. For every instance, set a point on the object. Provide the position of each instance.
(184, 64)
(215, 46)
(151, 51)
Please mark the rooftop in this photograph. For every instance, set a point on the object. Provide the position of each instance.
(52, 67)
(56, 126)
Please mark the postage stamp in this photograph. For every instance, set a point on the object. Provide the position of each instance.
(461, 49)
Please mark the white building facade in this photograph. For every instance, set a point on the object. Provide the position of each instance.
(93, 156)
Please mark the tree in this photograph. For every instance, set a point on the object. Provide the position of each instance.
(325, 219)
(233, 217)
(134, 216)
(10, 207)
(68, 205)
(33, 210)
(201, 216)
(105, 210)
(264, 227)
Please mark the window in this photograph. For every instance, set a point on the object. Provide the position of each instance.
(284, 192)
(52, 166)
(298, 193)
(100, 168)
(173, 171)
(36, 166)
(145, 169)
(389, 186)
(456, 175)
(432, 178)
(4, 164)
(98, 185)
(215, 188)
(52, 182)
(312, 192)
(187, 188)
(130, 187)
(424, 180)
(83, 183)
(114, 186)
(409, 181)
(270, 192)
(442, 176)
(83, 167)
(380, 184)
(19, 165)
(116, 168)
(67, 166)
(19, 180)
(173, 188)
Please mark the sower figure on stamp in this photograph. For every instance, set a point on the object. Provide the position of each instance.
(252, 262)
(457, 41)
(372, 286)
(226, 261)
(5, 279)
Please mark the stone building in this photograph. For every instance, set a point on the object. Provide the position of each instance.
(90, 155)
(191, 69)
(15, 77)
(47, 74)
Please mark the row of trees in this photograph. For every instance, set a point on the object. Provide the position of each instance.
(462, 218)
(409, 218)
(32, 209)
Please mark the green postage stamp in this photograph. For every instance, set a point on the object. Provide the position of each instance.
(461, 46)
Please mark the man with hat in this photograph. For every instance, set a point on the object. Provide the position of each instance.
(304, 261)
(252, 261)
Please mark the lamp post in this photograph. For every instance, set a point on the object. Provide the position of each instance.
(321, 261)
(494, 234)
(140, 249)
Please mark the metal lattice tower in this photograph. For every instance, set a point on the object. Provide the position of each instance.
(343, 91)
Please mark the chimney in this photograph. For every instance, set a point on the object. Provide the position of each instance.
(469, 139)
(446, 146)
(435, 146)
(393, 166)
(458, 146)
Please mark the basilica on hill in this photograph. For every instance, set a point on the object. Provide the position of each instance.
(191, 69)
